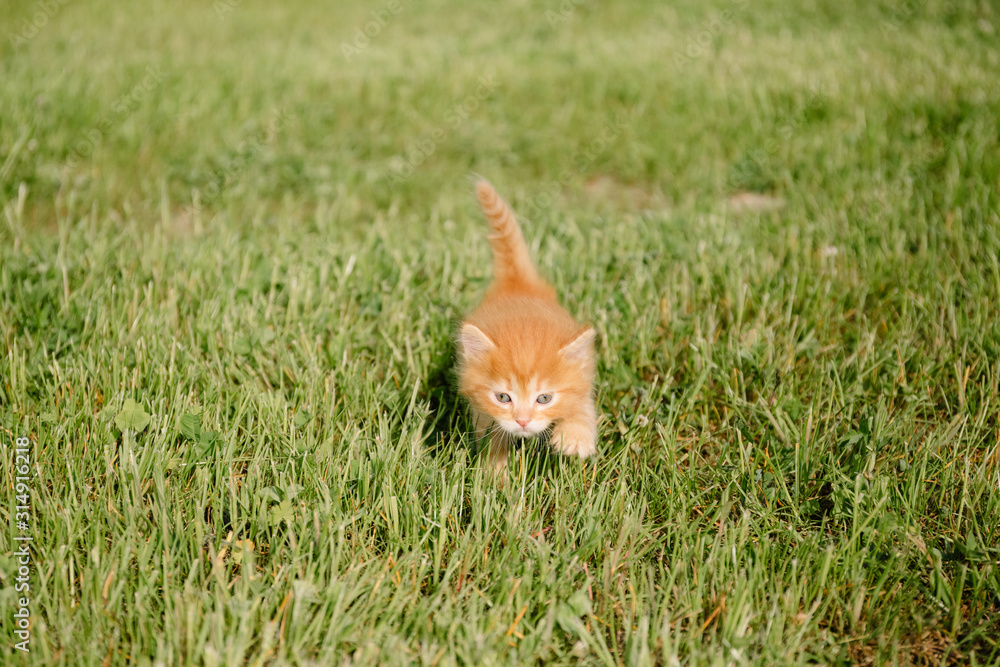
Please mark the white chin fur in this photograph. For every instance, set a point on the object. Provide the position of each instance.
(531, 430)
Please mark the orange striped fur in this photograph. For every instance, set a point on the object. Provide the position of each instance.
(526, 366)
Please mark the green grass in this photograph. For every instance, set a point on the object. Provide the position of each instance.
(216, 221)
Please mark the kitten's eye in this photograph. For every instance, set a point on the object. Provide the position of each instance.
(502, 397)
(544, 398)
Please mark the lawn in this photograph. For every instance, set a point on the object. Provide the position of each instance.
(237, 240)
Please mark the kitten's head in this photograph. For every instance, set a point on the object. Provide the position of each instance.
(525, 385)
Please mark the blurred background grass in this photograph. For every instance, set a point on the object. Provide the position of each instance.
(710, 98)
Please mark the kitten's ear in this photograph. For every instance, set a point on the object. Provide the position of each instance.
(580, 348)
(473, 343)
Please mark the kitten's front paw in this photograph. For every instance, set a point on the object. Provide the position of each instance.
(575, 440)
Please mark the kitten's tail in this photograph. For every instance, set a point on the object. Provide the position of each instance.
(512, 265)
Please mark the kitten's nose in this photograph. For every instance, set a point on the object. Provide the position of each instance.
(523, 422)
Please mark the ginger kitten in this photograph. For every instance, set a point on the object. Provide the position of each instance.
(525, 365)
